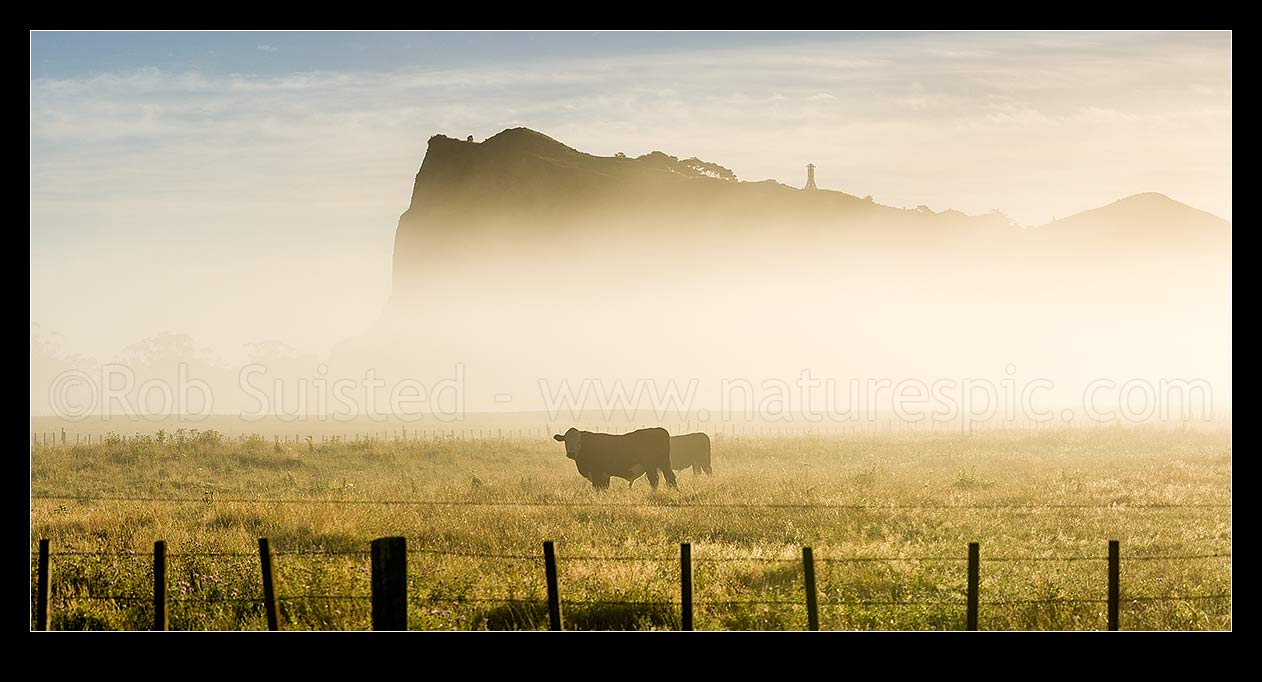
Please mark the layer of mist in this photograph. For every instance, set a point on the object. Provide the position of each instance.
(524, 268)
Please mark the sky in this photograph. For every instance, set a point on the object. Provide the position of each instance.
(245, 186)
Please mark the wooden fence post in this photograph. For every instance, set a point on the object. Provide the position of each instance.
(812, 606)
(41, 596)
(974, 558)
(269, 589)
(554, 599)
(389, 584)
(160, 585)
(685, 586)
(1114, 575)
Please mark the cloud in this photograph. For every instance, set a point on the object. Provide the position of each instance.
(759, 109)
(267, 48)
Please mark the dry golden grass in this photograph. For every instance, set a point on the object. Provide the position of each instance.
(1053, 496)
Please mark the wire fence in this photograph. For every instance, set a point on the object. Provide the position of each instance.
(66, 598)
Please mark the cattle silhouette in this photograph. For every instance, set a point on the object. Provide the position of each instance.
(690, 450)
(601, 456)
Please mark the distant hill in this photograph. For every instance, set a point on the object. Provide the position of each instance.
(522, 175)
(1147, 213)
(524, 194)
(1142, 222)
(520, 258)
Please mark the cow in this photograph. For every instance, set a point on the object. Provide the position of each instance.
(690, 450)
(600, 456)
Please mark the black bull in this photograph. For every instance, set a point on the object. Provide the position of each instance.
(600, 456)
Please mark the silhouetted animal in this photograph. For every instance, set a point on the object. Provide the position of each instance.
(690, 450)
(600, 456)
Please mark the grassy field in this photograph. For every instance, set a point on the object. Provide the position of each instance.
(913, 501)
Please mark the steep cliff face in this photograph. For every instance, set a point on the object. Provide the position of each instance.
(517, 165)
(524, 194)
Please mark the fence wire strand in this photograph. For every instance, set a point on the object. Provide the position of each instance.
(629, 558)
(696, 602)
(325, 597)
(621, 505)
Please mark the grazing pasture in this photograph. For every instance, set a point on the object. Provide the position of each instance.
(888, 516)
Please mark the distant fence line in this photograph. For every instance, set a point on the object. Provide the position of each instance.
(717, 429)
(389, 598)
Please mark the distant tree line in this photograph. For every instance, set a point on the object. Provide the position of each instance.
(693, 166)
